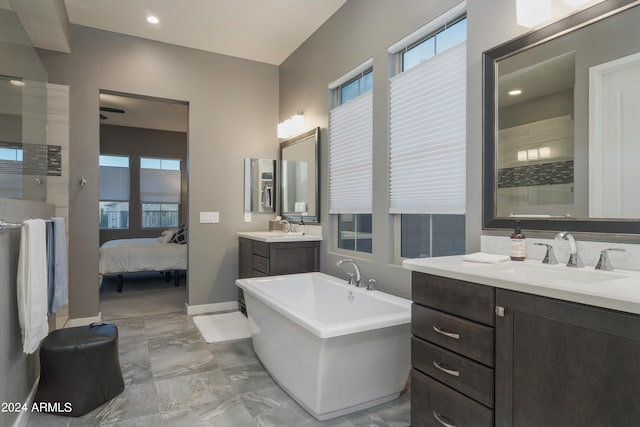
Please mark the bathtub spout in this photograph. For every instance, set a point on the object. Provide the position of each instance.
(351, 280)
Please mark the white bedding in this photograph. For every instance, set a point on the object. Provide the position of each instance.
(143, 254)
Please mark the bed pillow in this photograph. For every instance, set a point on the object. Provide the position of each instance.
(181, 235)
(167, 235)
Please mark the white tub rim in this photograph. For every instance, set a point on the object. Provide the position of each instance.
(323, 330)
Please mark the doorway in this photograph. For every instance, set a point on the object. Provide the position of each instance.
(143, 205)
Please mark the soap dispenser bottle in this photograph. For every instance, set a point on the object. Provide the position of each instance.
(518, 244)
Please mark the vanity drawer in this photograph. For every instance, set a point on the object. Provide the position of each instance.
(261, 248)
(469, 300)
(436, 405)
(459, 335)
(458, 372)
(260, 263)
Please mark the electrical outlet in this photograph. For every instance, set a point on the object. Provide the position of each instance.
(247, 217)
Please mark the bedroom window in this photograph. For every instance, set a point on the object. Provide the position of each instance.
(160, 192)
(427, 138)
(114, 192)
(351, 159)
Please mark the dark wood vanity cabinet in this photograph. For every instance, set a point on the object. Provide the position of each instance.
(259, 259)
(553, 362)
(452, 352)
(560, 363)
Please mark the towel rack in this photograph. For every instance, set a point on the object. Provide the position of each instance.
(7, 225)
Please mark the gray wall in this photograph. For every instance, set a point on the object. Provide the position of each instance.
(233, 112)
(136, 143)
(18, 371)
(362, 29)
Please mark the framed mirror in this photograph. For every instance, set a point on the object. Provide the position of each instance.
(259, 185)
(561, 124)
(299, 177)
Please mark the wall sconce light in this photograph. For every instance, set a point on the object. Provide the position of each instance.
(545, 152)
(534, 154)
(291, 126)
(530, 13)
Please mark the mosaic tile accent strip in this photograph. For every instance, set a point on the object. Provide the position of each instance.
(538, 174)
(54, 160)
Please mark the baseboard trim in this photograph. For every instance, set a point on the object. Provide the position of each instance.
(211, 308)
(82, 321)
(23, 418)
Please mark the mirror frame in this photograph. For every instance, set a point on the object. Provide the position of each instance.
(490, 59)
(287, 143)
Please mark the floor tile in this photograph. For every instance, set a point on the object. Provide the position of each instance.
(136, 372)
(37, 419)
(184, 392)
(134, 402)
(154, 420)
(179, 364)
(248, 377)
(234, 353)
(229, 412)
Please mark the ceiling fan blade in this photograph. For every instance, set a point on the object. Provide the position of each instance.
(103, 117)
(112, 110)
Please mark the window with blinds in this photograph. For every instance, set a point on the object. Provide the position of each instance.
(114, 192)
(351, 158)
(427, 138)
(160, 192)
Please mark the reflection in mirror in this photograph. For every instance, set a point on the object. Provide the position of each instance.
(23, 114)
(259, 185)
(299, 186)
(561, 134)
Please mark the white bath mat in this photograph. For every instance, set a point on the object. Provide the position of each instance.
(223, 327)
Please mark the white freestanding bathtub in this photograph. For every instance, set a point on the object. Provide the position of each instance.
(334, 348)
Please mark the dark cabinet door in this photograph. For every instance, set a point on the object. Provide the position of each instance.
(245, 261)
(294, 257)
(565, 364)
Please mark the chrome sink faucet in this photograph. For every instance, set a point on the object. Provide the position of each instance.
(604, 263)
(574, 260)
(286, 227)
(352, 281)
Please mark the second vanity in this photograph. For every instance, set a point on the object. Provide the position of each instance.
(521, 343)
(271, 253)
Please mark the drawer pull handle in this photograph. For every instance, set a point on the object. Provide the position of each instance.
(442, 419)
(445, 370)
(448, 334)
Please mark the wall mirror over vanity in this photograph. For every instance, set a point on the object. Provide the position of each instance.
(561, 128)
(299, 183)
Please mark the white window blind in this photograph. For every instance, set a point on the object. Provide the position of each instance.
(350, 156)
(160, 186)
(114, 183)
(427, 153)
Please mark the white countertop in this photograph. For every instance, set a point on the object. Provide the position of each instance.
(617, 290)
(279, 236)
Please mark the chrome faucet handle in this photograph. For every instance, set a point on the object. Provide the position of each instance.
(604, 263)
(550, 256)
(371, 285)
(350, 279)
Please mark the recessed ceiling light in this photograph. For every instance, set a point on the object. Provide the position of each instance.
(152, 19)
(515, 92)
(16, 82)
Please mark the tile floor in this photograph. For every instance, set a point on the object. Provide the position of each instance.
(174, 378)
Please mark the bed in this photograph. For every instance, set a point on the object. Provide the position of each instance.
(141, 254)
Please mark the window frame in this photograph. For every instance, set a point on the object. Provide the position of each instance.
(336, 97)
(110, 200)
(397, 66)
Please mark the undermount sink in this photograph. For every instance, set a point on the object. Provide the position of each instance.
(279, 236)
(559, 273)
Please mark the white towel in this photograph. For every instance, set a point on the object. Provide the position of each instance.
(32, 284)
(485, 258)
(60, 266)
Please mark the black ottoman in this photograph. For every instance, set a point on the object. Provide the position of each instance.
(79, 369)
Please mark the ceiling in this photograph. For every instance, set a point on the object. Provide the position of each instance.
(260, 30)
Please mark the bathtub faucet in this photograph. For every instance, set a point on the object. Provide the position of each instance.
(355, 282)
